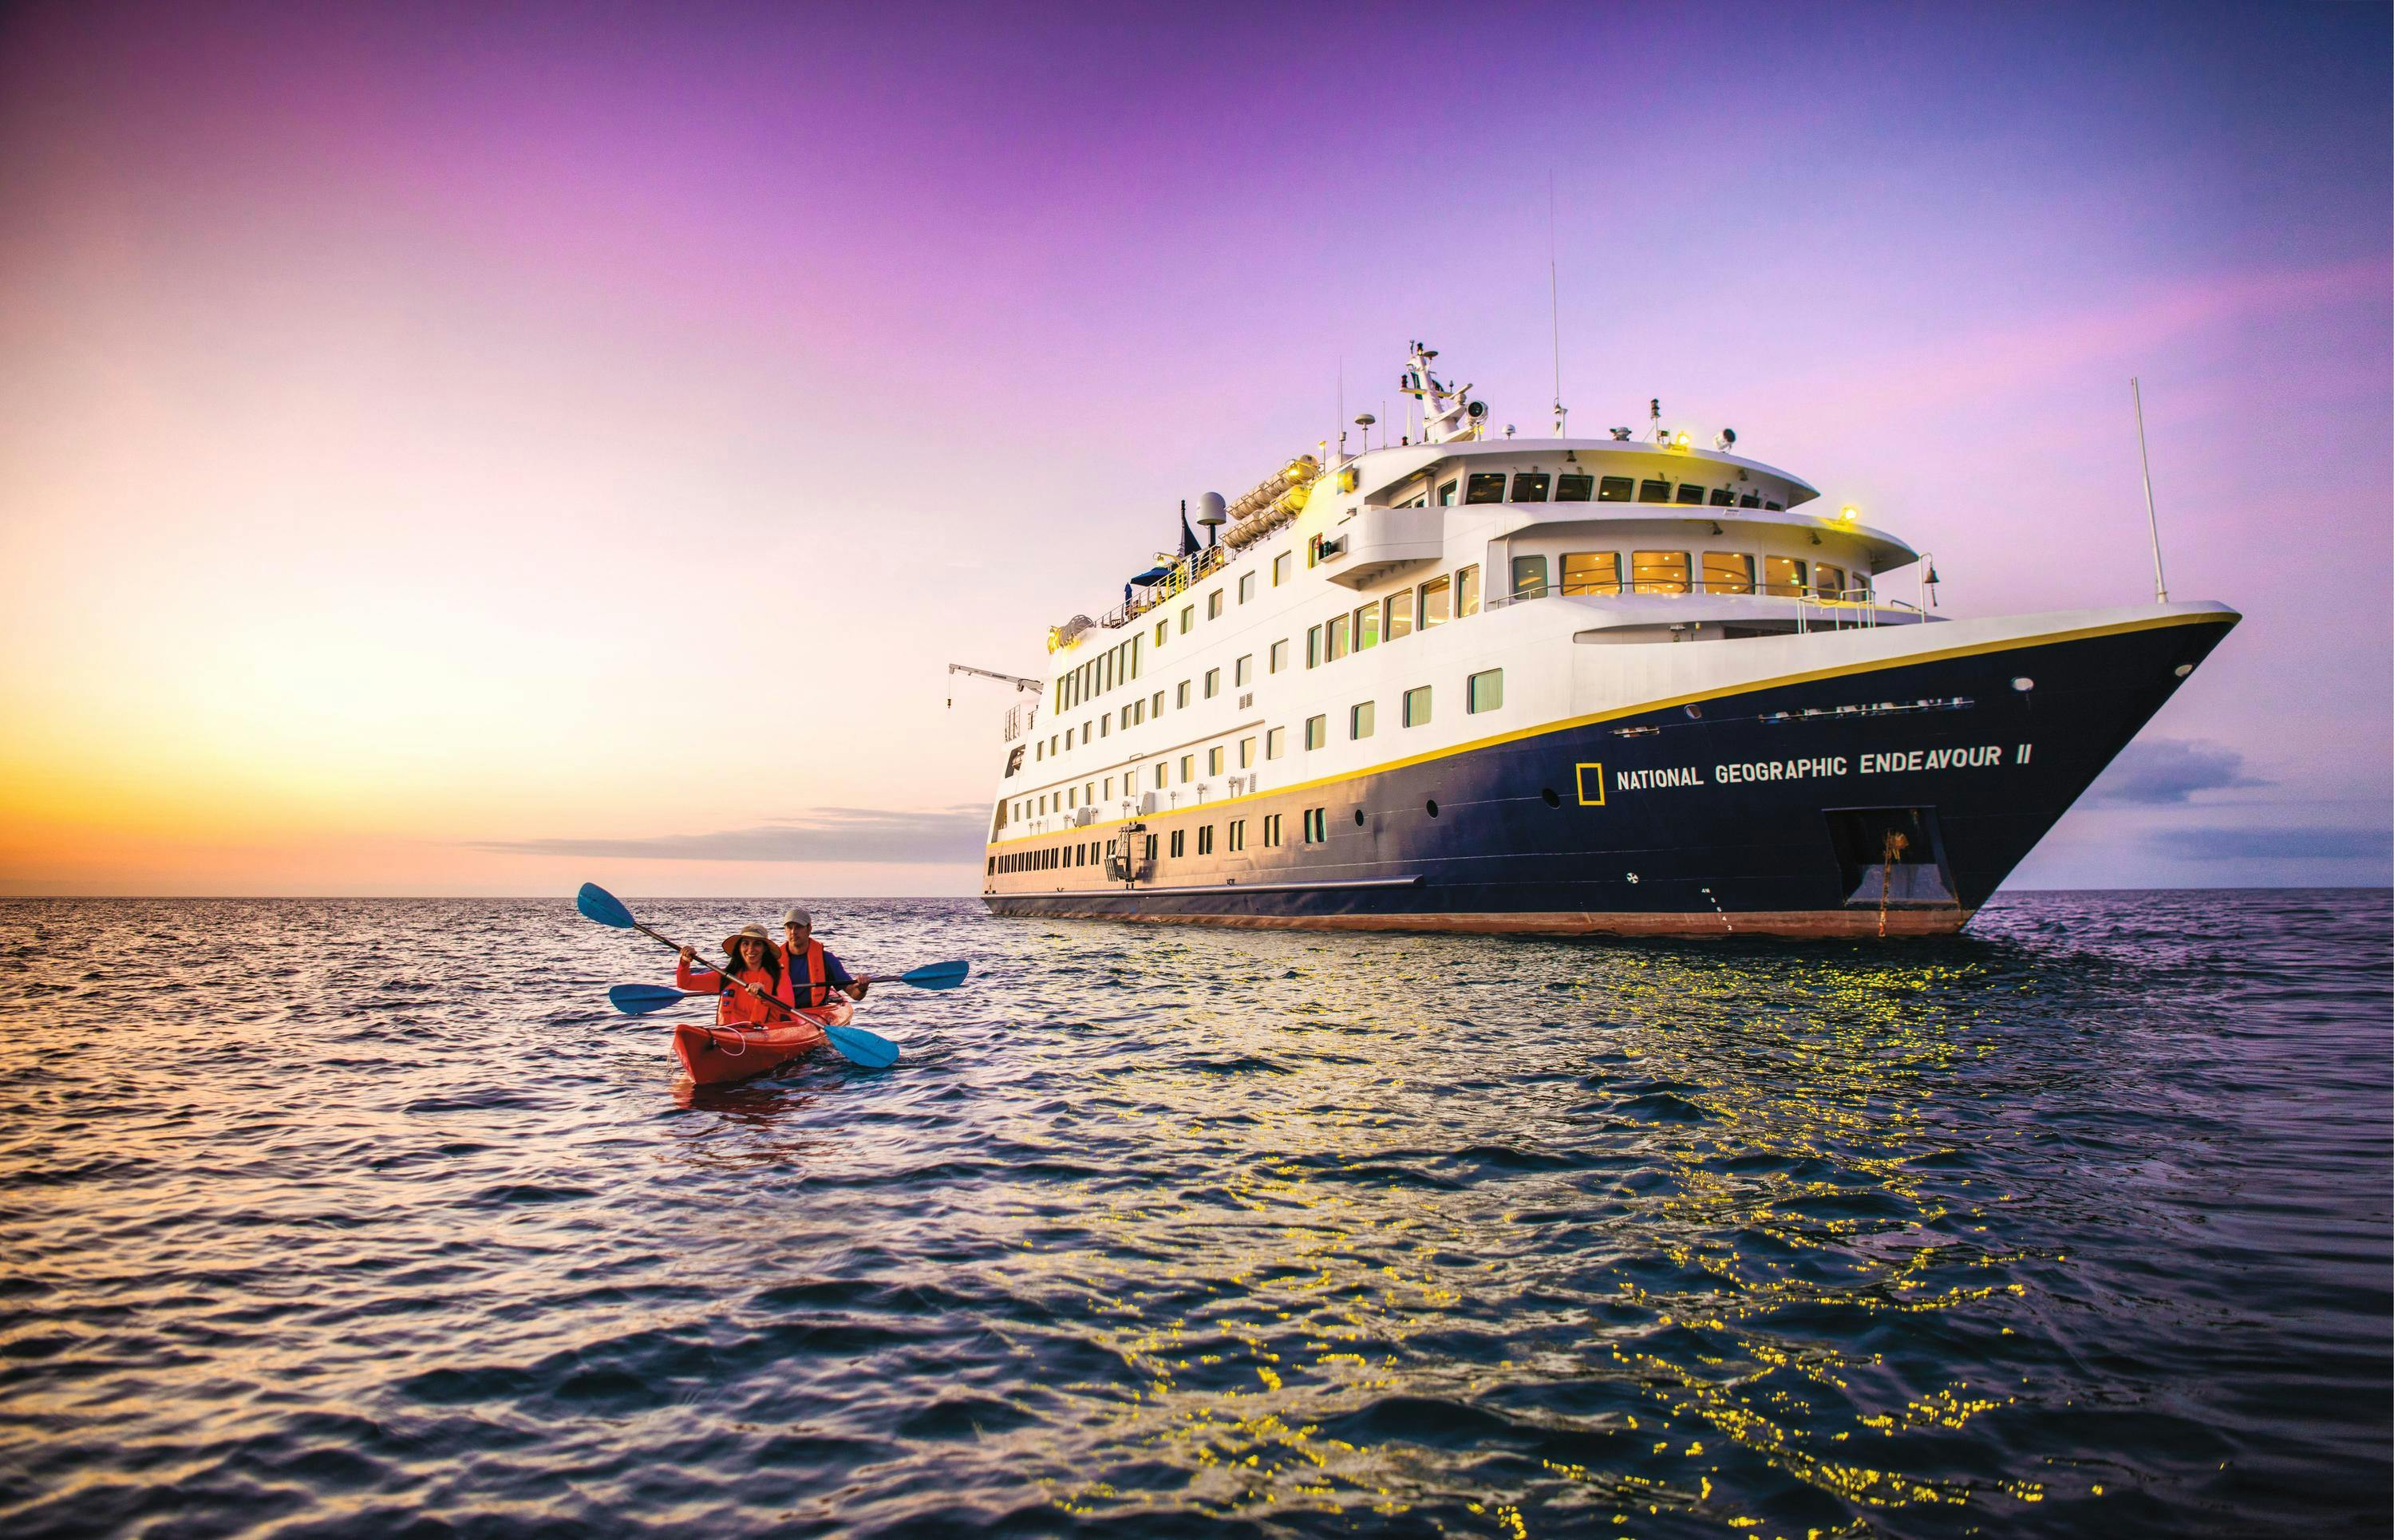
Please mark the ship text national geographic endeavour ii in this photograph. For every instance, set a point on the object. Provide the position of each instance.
(1556, 686)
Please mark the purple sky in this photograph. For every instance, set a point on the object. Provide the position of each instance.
(387, 391)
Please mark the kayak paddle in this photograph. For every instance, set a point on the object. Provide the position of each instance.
(858, 1046)
(641, 999)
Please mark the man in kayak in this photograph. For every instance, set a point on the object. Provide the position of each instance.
(811, 972)
(755, 964)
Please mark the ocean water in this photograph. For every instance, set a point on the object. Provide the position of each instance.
(370, 1218)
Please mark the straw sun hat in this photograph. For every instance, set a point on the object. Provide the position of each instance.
(749, 933)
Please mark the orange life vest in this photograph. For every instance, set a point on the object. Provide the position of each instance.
(817, 991)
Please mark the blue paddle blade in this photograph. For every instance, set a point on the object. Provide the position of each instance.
(937, 976)
(872, 1051)
(597, 903)
(641, 999)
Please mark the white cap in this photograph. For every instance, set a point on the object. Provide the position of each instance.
(798, 917)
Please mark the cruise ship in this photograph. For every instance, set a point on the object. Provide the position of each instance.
(1627, 685)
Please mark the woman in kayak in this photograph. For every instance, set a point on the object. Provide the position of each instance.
(755, 964)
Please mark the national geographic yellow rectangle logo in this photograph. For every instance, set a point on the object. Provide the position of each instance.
(1587, 779)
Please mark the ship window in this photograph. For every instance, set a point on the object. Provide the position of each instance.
(1690, 492)
(1334, 639)
(1238, 834)
(1110, 788)
(1155, 703)
(1317, 732)
(1433, 602)
(1367, 626)
(1214, 605)
(1213, 761)
(1748, 500)
(1278, 657)
(1179, 843)
(1150, 847)
(1467, 591)
(1653, 492)
(1275, 741)
(1280, 568)
(1828, 581)
(1246, 753)
(1574, 489)
(1212, 683)
(1529, 577)
(1591, 573)
(1105, 724)
(1768, 507)
(1162, 630)
(1362, 718)
(1085, 732)
(1483, 692)
(1039, 752)
(1187, 768)
(1014, 760)
(1530, 486)
(1246, 587)
(1729, 572)
(1445, 500)
(1658, 571)
(1417, 708)
(1398, 613)
(1180, 695)
(1243, 670)
(1783, 576)
(1487, 486)
(1613, 489)
(1723, 497)
(1163, 773)
(1187, 618)
(1272, 829)
(1317, 825)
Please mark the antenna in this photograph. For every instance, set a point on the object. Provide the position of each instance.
(2152, 520)
(1342, 405)
(1555, 304)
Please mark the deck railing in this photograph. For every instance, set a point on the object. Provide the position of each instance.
(1186, 572)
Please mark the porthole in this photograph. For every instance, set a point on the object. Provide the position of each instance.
(2022, 683)
(1553, 798)
(1359, 817)
(1695, 713)
(1430, 806)
(2182, 670)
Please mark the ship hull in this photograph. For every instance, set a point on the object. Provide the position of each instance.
(1886, 801)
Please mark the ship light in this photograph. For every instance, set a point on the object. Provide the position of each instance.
(1850, 513)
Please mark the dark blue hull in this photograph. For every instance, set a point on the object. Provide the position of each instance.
(1889, 801)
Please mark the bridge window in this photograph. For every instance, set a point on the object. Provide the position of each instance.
(1574, 489)
(1782, 576)
(1748, 500)
(1723, 497)
(1467, 591)
(1690, 492)
(1367, 626)
(1399, 608)
(1653, 492)
(1769, 507)
(1530, 486)
(1362, 718)
(1483, 692)
(1416, 706)
(1828, 581)
(1445, 500)
(1613, 489)
(1487, 486)
(1658, 571)
(1591, 573)
(1529, 577)
(1729, 572)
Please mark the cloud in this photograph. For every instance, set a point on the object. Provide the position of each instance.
(866, 834)
(2154, 771)
(2310, 842)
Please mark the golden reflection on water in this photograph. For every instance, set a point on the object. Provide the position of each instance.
(1263, 1312)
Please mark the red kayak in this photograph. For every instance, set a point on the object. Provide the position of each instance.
(718, 1056)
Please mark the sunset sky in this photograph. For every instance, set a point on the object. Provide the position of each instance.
(472, 450)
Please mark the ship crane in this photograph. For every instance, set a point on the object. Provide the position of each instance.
(1035, 687)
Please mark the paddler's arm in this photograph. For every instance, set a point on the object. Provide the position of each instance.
(838, 975)
(698, 981)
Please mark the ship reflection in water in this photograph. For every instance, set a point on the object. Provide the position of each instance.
(2075, 1220)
